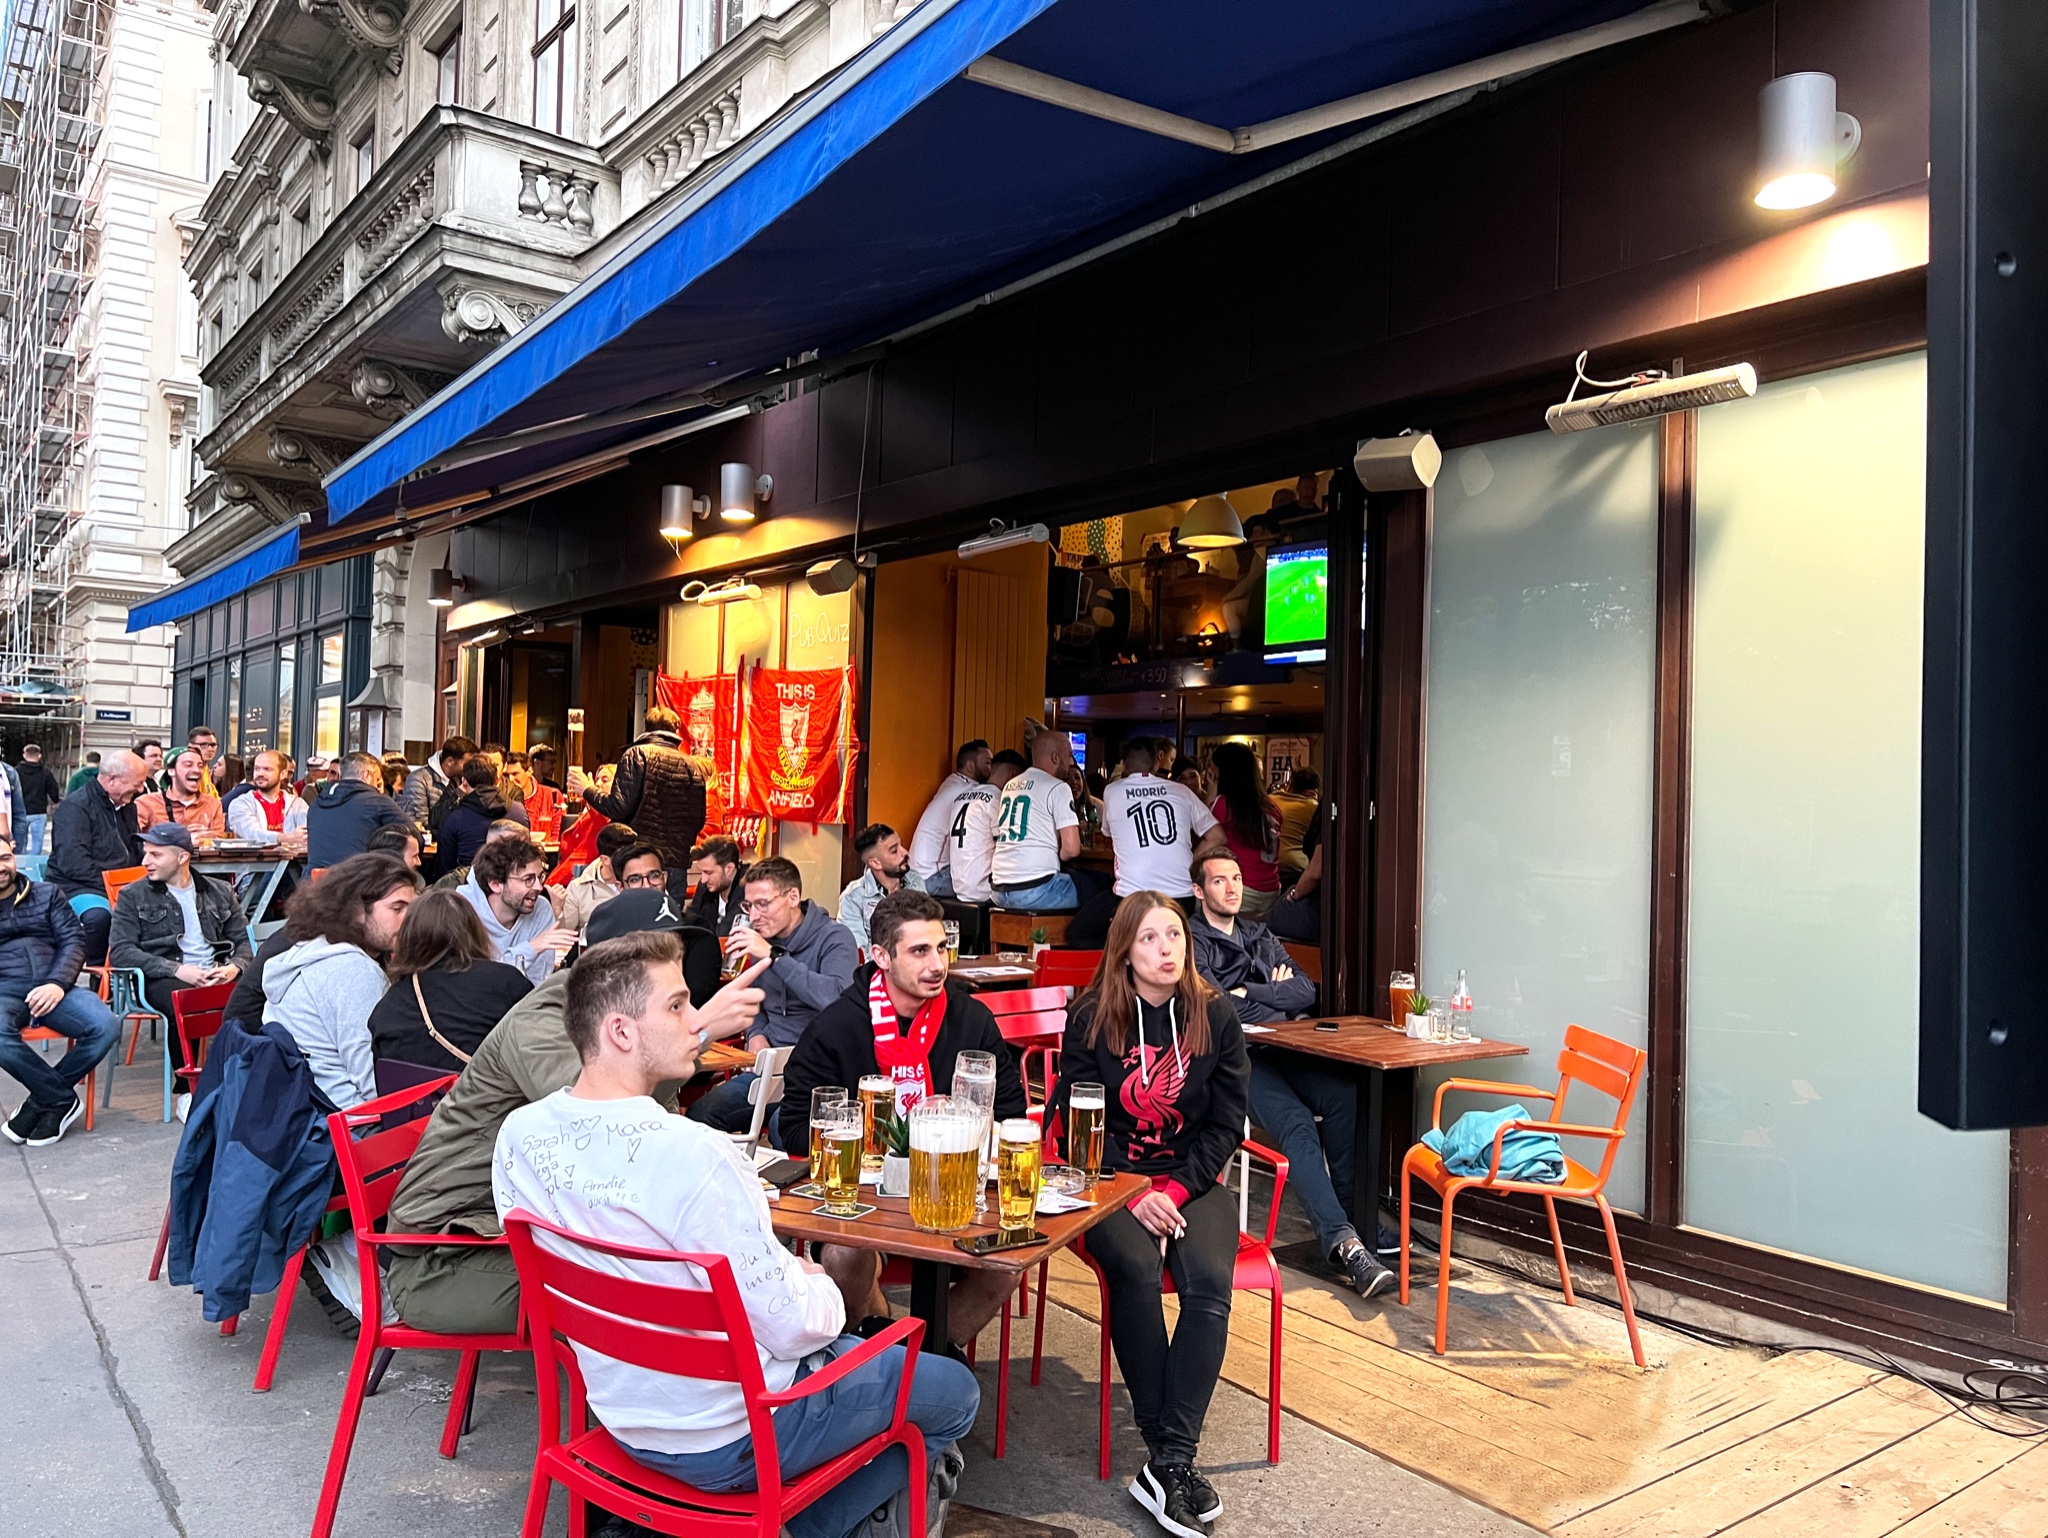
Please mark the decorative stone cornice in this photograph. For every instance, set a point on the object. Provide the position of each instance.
(374, 27)
(308, 313)
(409, 212)
(279, 501)
(479, 316)
(391, 390)
(308, 108)
(309, 453)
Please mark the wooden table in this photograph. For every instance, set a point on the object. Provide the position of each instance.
(721, 1056)
(994, 984)
(932, 1257)
(1371, 1049)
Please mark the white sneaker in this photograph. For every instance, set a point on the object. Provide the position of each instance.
(183, 1105)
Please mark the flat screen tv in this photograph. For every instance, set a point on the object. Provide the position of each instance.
(1297, 603)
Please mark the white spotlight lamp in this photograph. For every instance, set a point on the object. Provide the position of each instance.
(739, 490)
(680, 507)
(441, 588)
(1804, 141)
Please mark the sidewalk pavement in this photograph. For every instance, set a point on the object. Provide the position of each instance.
(128, 1414)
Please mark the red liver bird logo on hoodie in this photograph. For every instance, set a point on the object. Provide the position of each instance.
(1153, 1078)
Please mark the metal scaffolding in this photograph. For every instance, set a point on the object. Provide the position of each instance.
(50, 64)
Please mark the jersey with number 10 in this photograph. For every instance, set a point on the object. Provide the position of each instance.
(1154, 825)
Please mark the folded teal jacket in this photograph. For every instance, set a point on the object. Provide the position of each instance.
(1467, 1149)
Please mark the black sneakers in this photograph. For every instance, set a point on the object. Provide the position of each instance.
(21, 1126)
(49, 1125)
(1362, 1269)
(1176, 1496)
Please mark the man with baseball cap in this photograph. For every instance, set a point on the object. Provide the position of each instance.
(179, 928)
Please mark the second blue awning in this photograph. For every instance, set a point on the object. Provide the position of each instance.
(264, 556)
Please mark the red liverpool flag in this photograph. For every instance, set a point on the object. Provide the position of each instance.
(799, 746)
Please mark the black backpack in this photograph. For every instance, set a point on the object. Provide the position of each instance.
(438, 813)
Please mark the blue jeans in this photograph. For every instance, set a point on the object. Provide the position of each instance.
(944, 1399)
(38, 833)
(940, 882)
(1288, 1093)
(80, 1015)
(726, 1107)
(1054, 892)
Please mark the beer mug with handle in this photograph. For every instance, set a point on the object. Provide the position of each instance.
(945, 1163)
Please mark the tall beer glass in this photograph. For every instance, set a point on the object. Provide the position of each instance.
(1085, 1103)
(945, 1163)
(1017, 1172)
(974, 1081)
(877, 1105)
(823, 1100)
(840, 1145)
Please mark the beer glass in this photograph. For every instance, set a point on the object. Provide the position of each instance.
(1017, 1171)
(840, 1145)
(824, 1100)
(877, 1105)
(945, 1163)
(974, 1081)
(733, 962)
(952, 928)
(1085, 1112)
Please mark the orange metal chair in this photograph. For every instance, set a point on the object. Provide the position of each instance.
(1601, 1063)
(44, 1033)
(117, 882)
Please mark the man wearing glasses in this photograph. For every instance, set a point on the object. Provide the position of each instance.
(505, 887)
(813, 957)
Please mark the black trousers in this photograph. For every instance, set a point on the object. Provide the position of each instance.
(1171, 1382)
(97, 924)
(158, 991)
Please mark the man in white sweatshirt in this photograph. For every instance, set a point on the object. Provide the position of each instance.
(603, 1158)
(505, 886)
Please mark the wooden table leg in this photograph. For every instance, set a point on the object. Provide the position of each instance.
(931, 1286)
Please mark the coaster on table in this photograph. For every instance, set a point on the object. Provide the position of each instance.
(843, 1217)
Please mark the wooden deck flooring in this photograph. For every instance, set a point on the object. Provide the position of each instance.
(1538, 1412)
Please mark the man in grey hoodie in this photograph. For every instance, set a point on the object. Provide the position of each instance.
(814, 958)
(324, 985)
(505, 886)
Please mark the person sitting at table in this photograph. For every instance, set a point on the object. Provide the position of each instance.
(322, 987)
(1037, 831)
(902, 1017)
(814, 959)
(1298, 806)
(447, 991)
(1156, 827)
(179, 928)
(1169, 1053)
(505, 888)
(662, 1182)
(715, 870)
(527, 1056)
(1251, 824)
(401, 839)
(185, 799)
(1238, 956)
(92, 832)
(885, 868)
(931, 842)
(42, 947)
(270, 812)
(972, 842)
(465, 828)
(598, 881)
(432, 790)
(346, 812)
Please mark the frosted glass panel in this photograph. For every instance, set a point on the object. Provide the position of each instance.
(1536, 822)
(1803, 975)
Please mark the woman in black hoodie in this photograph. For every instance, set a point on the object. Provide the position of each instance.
(1170, 1055)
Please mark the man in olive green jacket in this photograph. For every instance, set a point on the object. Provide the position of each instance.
(474, 1289)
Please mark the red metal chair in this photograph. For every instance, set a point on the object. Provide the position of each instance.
(196, 1017)
(1033, 1021)
(693, 1332)
(1067, 969)
(1611, 1067)
(371, 1167)
(1255, 1271)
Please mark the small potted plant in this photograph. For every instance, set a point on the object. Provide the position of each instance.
(1417, 1022)
(1040, 936)
(896, 1155)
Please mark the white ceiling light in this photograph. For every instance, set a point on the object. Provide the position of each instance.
(1000, 538)
(1211, 524)
(1804, 141)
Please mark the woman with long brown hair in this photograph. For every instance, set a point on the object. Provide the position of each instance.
(1251, 824)
(447, 992)
(1169, 1053)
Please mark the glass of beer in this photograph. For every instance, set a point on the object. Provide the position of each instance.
(974, 1081)
(877, 1105)
(735, 959)
(1017, 1172)
(825, 1100)
(1085, 1103)
(952, 928)
(839, 1146)
(945, 1163)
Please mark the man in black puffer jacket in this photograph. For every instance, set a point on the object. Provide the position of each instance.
(658, 788)
(92, 832)
(464, 830)
(344, 814)
(41, 949)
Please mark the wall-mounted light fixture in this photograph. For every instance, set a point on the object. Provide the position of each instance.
(1804, 141)
(732, 590)
(441, 586)
(1211, 524)
(1407, 461)
(1002, 537)
(680, 509)
(740, 490)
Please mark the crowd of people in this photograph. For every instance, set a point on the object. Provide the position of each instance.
(573, 1009)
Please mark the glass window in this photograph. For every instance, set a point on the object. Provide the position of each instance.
(333, 579)
(327, 725)
(263, 611)
(330, 658)
(233, 724)
(287, 682)
(364, 147)
(702, 33)
(259, 702)
(554, 65)
(1803, 948)
(1541, 685)
(448, 71)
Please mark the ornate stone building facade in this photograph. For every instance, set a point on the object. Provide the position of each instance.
(405, 186)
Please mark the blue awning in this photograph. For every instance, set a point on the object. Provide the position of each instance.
(899, 188)
(264, 556)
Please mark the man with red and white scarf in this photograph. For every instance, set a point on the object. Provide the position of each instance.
(903, 1018)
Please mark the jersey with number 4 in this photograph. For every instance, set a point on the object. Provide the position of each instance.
(1154, 825)
(971, 842)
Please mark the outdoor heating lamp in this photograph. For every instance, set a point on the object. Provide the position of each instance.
(1804, 141)
(739, 489)
(679, 509)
